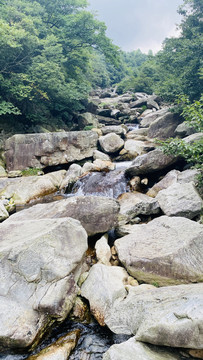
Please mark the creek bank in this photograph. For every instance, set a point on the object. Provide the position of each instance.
(46, 262)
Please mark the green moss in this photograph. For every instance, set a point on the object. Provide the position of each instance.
(31, 172)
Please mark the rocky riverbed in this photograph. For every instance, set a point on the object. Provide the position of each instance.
(117, 237)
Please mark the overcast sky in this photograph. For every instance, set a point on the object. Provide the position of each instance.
(133, 24)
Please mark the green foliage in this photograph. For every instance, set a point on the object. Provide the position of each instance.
(48, 48)
(31, 172)
(88, 127)
(192, 113)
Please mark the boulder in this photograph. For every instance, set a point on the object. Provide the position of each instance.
(104, 285)
(25, 189)
(100, 155)
(184, 129)
(3, 212)
(135, 350)
(133, 204)
(111, 143)
(48, 149)
(103, 251)
(41, 261)
(164, 251)
(137, 132)
(149, 118)
(193, 138)
(87, 119)
(152, 104)
(137, 147)
(169, 316)
(71, 176)
(180, 200)
(3, 172)
(108, 120)
(103, 165)
(152, 161)
(164, 127)
(116, 129)
(172, 177)
(96, 214)
(138, 103)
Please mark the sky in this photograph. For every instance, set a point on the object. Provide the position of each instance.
(138, 24)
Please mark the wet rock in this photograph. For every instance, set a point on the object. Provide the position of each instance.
(71, 176)
(48, 149)
(60, 349)
(133, 204)
(151, 252)
(3, 212)
(103, 251)
(111, 143)
(104, 285)
(41, 262)
(164, 127)
(152, 161)
(25, 189)
(180, 200)
(135, 350)
(96, 214)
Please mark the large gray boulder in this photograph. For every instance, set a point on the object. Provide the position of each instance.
(165, 251)
(150, 118)
(164, 127)
(137, 147)
(41, 261)
(180, 200)
(133, 204)
(24, 189)
(152, 161)
(170, 316)
(116, 129)
(135, 350)
(96, 214)
(48, 149)
(111, 143)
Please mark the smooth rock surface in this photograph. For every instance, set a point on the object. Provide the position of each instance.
(180, 200)
(134, 350)
(169, 316)
(24, 189)
(152, 161)
(148, 119)
(165, 251)
(100, 155)
(48, 149)
(40, 265)
(111, 143)
(3, 212)
(96, 214)
(164, 127)
(119, 130)
(71, 176)
(103, 251)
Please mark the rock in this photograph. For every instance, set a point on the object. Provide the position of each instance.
(3, 172)
(104, 112)
(138, 103)
(96, 214)
(133, 204)
(87, 167)
(196, 353)
(135, 350)
(151, 104)
(48, 149)
(152, 161)
(41, 262)
(103, 165)
(148, 119)
(60, 349)
(103, 251)
(116, 129)
(111, 143)
(25, 189)
(180, 200)
(172, 177)
(87, 119)
(169, 316)
(184, 129)
(135, 183)
(115, 113)
(100, 155)
(151, 252)
(164, 127)
(3, 212)
(136, 147)
(108, 120)
(193, 138)
(71, 176)
(137, 132)
(104, 285)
